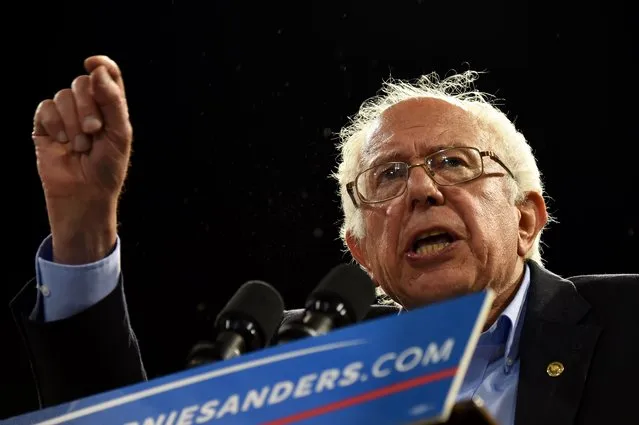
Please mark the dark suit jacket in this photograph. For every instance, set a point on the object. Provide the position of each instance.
(589, 323)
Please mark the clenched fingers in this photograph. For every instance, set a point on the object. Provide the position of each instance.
(89, 115)
(48, 123)
(95, 103)
(65, 103)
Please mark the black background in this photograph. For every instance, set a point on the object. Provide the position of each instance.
(235, 106)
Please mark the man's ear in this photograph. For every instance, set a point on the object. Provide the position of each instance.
(358, 251)
(532, 218)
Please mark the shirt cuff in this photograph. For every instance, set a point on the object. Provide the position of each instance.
(65, 290)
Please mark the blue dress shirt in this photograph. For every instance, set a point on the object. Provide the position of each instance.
(65, 290)
(491, 379)
(493, 372)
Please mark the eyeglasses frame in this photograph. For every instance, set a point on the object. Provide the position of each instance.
(351, 187)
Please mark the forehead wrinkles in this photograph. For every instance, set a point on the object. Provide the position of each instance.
(377, 146)
(435, 117)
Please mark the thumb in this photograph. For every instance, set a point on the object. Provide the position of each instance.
(109, 96)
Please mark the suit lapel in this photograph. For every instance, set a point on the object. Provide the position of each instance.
(557, 342)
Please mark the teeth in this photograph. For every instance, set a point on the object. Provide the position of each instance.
(430, 248)
(431, 233)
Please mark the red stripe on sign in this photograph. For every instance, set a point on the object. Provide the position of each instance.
(362, 398)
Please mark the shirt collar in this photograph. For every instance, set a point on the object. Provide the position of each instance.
(507, 328)
(515, 312)
(510, 321)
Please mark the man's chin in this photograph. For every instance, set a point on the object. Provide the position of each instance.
(436, 286)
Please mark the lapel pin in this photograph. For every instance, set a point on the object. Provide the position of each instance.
(555, 369)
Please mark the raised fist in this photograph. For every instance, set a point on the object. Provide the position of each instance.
(83, 142)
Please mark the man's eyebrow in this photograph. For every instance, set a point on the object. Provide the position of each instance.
(388, 156)
(393, 155)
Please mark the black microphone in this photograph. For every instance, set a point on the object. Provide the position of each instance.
(344, 296)
(247, 323)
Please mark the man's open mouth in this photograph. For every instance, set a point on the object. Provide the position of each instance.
(431, 242)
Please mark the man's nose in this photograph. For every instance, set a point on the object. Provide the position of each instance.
(422, 189)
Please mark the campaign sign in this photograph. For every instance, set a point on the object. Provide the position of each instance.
(400, 369)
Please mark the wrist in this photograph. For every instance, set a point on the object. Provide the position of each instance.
(84, 238)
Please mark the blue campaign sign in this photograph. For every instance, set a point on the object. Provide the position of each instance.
(400, 369)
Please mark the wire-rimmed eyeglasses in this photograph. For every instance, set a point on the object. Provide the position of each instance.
(447, 167)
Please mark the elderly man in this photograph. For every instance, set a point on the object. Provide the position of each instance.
(441, 196)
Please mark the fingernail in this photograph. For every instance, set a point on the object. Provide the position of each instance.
(62, 137)
(91, 124)
(81, 143)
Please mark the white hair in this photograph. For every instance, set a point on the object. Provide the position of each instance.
(458, 89)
